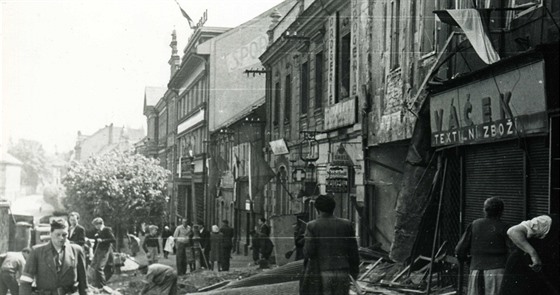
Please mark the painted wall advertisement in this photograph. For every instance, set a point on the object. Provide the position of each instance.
(505, 106)
(233, 52)
(340, 114)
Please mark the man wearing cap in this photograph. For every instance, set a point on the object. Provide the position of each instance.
(102, 250)
(330, 250)
(58, 267)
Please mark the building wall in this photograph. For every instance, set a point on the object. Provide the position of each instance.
(10, 180)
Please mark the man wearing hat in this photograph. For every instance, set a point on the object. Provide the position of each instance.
(330, 250)
(58, 267)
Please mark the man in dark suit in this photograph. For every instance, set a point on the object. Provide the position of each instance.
(227, 245)
(205, 244)
(76, 232)
(331, 250)
(58, 266)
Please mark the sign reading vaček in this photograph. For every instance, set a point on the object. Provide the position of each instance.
(507, 105)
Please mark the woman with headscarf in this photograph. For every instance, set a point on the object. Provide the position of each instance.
(216, 238)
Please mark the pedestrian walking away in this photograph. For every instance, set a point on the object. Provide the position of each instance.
(102, 250)
(484, 244)
(533, 267)
(57, 267)
(12, 265)
(331, 252)
(151, 244)
(161, 279)
(227, 245)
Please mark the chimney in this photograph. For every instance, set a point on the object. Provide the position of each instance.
(175, 60)
(274, 20)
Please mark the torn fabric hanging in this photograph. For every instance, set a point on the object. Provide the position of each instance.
(470, 22)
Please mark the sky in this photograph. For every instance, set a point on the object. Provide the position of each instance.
(79, 65)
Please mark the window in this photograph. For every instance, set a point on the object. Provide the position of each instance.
(429, 33)
(529, 4)
(304, 79)
(395, 28)
(288, 100)
(344, 72)
(318, 80)
(276, 104)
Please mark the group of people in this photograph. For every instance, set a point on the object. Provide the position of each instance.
(59, 266)
(195, 245)
(522, 259)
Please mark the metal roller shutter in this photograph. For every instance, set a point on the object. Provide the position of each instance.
(494, 170)
(538, 176)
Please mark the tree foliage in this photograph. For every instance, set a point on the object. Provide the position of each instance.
(35, 164)
(120, 187)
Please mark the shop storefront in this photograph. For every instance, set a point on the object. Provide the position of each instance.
(498, 129)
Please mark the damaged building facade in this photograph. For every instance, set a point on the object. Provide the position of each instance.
(389, 105)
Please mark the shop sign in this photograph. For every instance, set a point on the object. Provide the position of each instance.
(227, 180)
(337, 179)
(332, 26)
(505, 106)
(279, 147)
(191, 121)
(341, 114)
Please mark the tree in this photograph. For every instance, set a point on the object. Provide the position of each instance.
(120, 187)
(35, 164)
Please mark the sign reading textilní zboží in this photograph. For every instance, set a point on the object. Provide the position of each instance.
(506, 105)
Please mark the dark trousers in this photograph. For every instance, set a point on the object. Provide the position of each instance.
(8, 282)
(100, 259)
(225, 256)
(181, 258)
(256, 254)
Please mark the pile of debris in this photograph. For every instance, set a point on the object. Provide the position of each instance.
(378, 275)
(421, 276)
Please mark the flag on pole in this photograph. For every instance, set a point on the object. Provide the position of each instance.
(470, 22)
(260, 172)
(184, 13)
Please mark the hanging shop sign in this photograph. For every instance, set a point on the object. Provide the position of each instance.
(337, 179)
(341, 114)
(507, 105)
(279, 147)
